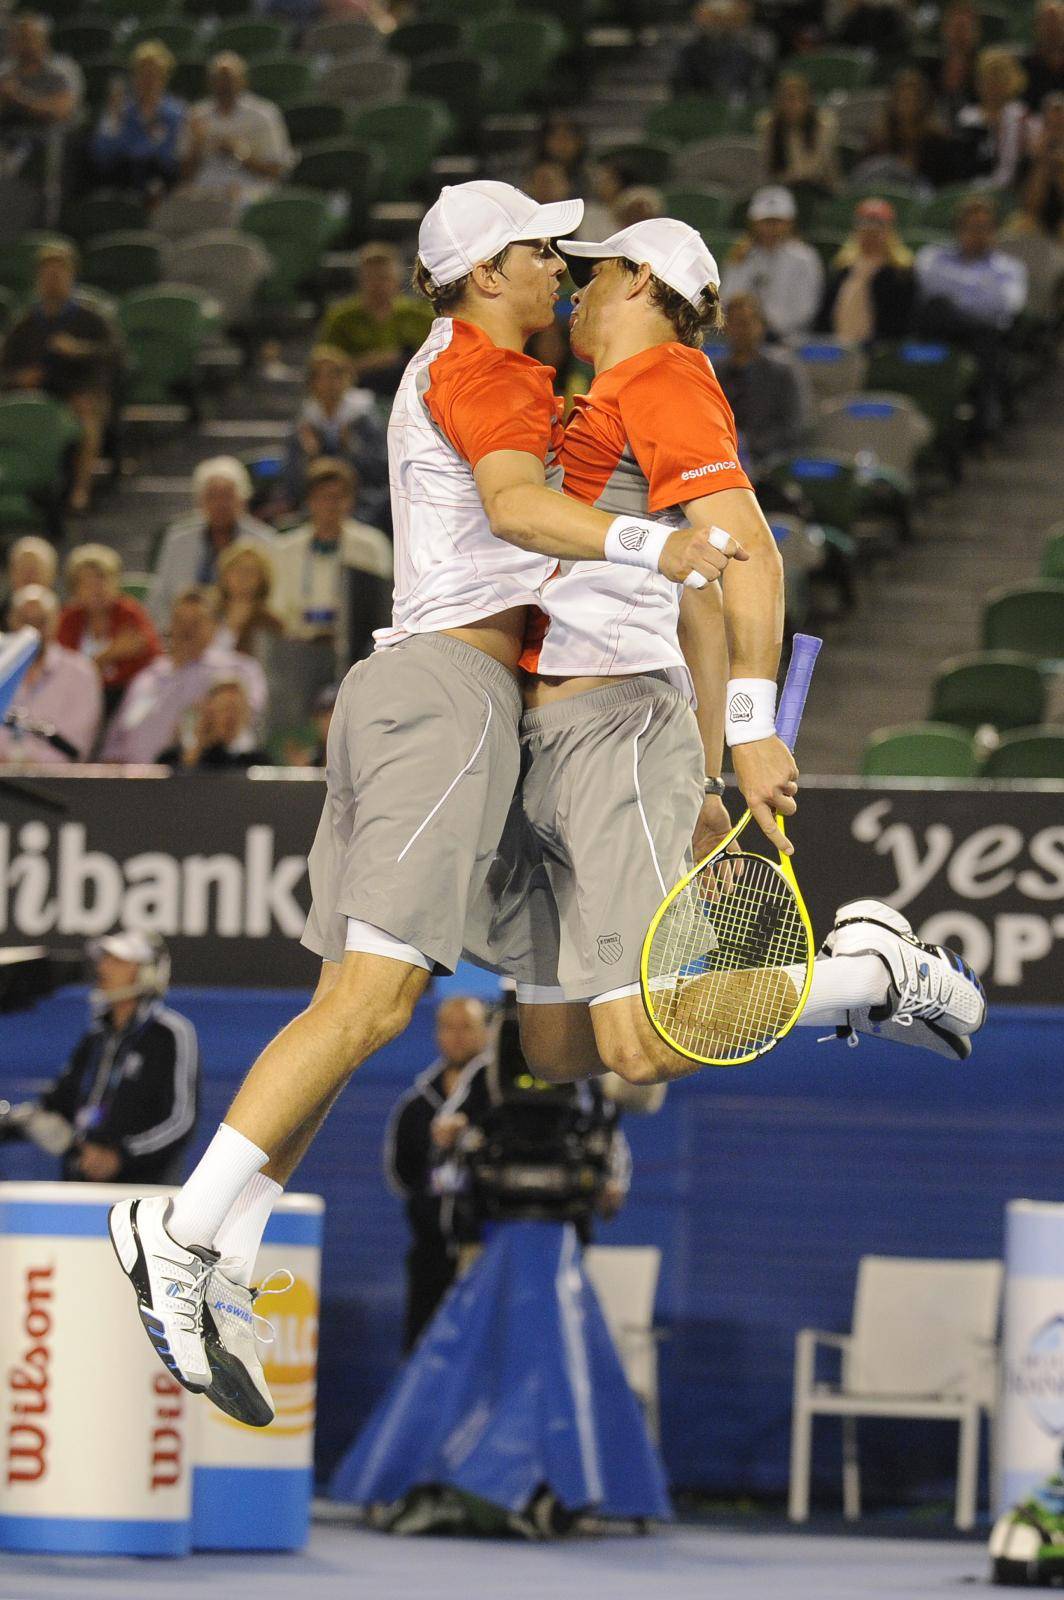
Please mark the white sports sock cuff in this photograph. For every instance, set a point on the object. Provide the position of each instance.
(375, 942)
(750, 710)
(614, 994)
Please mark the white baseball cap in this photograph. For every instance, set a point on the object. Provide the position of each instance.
(674, 253)
(472, 222)
(127, 945)
(772, 202)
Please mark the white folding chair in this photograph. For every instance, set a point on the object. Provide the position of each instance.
(364, 78)
(625, 1281)
(732, 163)
(923, 1345)
(343, 36)
(226, 264)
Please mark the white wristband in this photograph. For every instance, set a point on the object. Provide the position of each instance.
(636, 542)
(750, 710)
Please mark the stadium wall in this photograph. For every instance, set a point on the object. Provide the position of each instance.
(762, 1188)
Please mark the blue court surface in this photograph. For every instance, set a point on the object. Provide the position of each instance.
(685, 1563)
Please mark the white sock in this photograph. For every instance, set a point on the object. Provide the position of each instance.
(208, 1196)
(240, 1235)
(841, 984)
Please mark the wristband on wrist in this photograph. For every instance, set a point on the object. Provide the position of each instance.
(636, 542)
(750, 710)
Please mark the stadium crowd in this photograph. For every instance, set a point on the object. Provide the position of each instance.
(876, 177)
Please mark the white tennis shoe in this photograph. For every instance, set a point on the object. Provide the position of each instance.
(935, 999)
(169, 1281)
(238, 1383)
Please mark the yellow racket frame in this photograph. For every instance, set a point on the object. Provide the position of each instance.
(786, 872)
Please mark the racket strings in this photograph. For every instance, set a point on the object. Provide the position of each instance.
(717, 964)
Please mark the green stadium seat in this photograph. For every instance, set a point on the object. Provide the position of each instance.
(997, 687)
(343, 166)
(296, 227)
(693, 117)
(281, 78)
(36, 434)
(937, 211)
(178, 34)
(1053, 557)
(462, 83)
(251, 38)
(214, 9)
(939, 378)
(98, 73)
(310, 120)
(840, 493)
(707, 210)
(525, 45)
(430, 38)
(7, 308)
(1028, 618)
(829, 70)
(103, 212)
(342, 36)
(189, 80)
(134, 11)
(164, 330)
(642, 161)
(1028, 753)
(729, 161)
(920, 750)
(411, 133)
(83, 38)
(129, 259)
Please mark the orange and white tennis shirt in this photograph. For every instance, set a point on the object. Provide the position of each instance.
(652, 433)
(461, 398)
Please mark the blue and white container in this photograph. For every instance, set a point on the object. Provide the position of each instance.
(253, 1486)
(95, 1436)
(1031, 1421)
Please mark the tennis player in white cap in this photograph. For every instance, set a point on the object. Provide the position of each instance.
(616, 778)
(423, 752)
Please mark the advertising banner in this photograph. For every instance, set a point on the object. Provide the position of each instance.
(218, 867)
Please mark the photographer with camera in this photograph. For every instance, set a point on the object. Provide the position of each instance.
(412, 1149)
(125, 1106)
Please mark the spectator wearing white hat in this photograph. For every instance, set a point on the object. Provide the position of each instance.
(772, 263)
(30, 559)
(191, 545)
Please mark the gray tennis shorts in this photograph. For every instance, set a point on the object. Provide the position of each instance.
(422, 763)
(610, 794)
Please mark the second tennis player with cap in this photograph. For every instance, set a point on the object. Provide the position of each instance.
(423, 752)
(615, 772)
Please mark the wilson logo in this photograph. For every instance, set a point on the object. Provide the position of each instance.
(167, 1438)
(28, 1383)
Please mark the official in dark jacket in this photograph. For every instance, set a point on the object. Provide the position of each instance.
(410, 1157)
(125, 1106)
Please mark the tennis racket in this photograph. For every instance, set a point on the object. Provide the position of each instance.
(727, 962)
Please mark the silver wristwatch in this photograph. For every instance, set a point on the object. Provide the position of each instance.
(714, 786)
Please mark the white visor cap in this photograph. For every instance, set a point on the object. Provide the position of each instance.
(674, 253)
(128, 945)
(472, 222)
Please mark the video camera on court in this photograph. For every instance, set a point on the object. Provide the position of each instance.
(539, 1150)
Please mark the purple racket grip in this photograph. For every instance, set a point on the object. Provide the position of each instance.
(804, 651)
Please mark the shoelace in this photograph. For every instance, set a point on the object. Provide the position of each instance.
(914, 1006)
(264, 1288)
(187, 1309)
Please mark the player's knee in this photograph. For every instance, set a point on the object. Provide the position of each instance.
(628, 1058)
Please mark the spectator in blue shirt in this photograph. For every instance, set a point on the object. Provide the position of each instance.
(970, 294)
(137, 140)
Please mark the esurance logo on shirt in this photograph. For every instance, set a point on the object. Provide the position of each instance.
(710, 467)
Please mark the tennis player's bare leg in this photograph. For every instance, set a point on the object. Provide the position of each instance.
(293, 1083)
(558, 1042)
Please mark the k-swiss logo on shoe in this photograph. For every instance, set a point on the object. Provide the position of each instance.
(173, 1288)
(741, 708)
(610, 948)
(633, 537)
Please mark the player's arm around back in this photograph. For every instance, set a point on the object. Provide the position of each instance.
(522, 509)
(753, 620)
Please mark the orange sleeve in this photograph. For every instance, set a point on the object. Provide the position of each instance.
(494, 405)
(682, 433)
